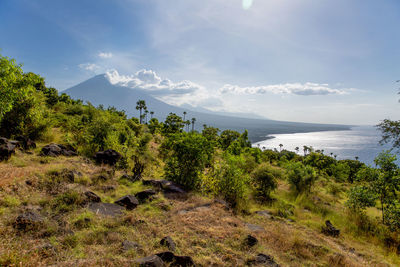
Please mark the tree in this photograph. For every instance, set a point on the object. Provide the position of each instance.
(193, 121)
(301, 177)
(390, 132)
(141, 105)
(380, 184)
(173, 124)
(184, 115)
(186, 157)
(280, 147)
(297, 149)
(151, 114)
(211, 133)
(265, 180)
(227, 137)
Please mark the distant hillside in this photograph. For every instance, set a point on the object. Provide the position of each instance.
(98, 90)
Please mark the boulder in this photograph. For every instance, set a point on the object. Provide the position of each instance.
(28, 220)
(55, 150)
(106, 209)
(265, 213)
(150, 261)
(109, 156)
(92, 197)
(129, 202)
(263, 259)
(330, 230)
(254, 227)
(165, 185)
(250, 241)
(168, 242)
(144, 195)
(7, 148)
(175, 260)
(25, 142)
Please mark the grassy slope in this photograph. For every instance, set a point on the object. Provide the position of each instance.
(210, 235)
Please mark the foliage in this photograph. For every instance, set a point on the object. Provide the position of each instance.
(186, 157)
(390, 132)
(227, 137)
(301, 177)
(265, 180)
(173, 124)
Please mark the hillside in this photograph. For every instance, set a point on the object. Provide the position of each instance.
(90, 186)
(99, 91)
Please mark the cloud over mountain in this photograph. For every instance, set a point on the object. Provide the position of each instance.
(305, 89)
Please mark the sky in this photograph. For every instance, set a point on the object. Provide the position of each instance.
(295, 60)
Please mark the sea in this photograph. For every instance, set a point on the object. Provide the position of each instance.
(359, 141)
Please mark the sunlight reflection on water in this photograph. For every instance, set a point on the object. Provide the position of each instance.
(361, 141)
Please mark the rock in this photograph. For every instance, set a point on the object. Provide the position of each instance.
(182, 261)
(265, 213)
(127, 245)
(166, 186)
(25, 142)
(225, 204)
(7, 148)
(263, 259)
(150, 261)
(55, 150)
(106, 209)
(65, 174)
(251, 241)
(330, 229)
(108, 156)
(168, 242)
(254, 227)
(92, 197)
(176, 260)
(28, 220)
(145, 195)
(129, 202)
(107, 188)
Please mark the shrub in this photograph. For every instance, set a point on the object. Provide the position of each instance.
(301, 177)
(264, 180)
(186, 157)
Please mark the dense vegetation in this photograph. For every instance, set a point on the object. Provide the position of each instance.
(210, 163)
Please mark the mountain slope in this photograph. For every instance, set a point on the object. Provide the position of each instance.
(98, 90)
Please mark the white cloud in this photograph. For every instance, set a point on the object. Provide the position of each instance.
(105, 55)
(304, 89)
(89, 66)
(149, 80)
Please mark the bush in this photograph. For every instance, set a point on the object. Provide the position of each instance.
(264, 180)
(301, 177)
(186, 157)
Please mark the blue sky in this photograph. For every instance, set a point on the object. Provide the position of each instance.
(297, 60)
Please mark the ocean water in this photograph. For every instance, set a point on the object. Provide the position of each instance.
(360, 141)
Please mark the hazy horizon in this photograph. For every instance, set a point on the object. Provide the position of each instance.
(290, 60)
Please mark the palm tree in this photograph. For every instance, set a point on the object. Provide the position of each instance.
(145, 114)
(187, 125)
(356, 157)
(335, 156)
(141, 105)
(184, 115)
(305, 149)
(297, 149)
(331, 154)
(193, 121)
(151, 114)
(280, 147)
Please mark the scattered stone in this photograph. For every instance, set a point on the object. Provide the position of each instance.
(165, 185)
(108, 156)
(168, 242)
(265, 213)
(28, 220)
(143, 196)
(129, 202)
(263, 259)
(55, 150)
(92, 197)
(251, 241)
(254, 227)
(330, 229)
(25, 142)
(150, 261)
(127, 245)
(106, 209)
(182, 261)
(29, 182)
(225, 204)
(7, 148)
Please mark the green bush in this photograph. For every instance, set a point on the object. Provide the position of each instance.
(186, 157)
(265, 180)
(301, 177)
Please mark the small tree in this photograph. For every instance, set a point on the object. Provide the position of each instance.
(301, 177)
(141, 105)
(264, 180)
